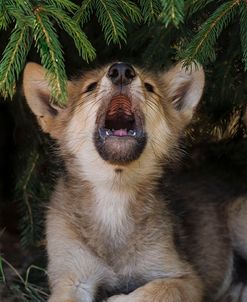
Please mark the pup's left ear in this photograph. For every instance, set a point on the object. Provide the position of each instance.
(184, 88)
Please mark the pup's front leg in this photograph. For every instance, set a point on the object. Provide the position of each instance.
(184, 289)
(75, 273)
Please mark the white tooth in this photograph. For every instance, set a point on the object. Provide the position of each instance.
(134, 133)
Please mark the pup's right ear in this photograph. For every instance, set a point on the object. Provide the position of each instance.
(38, 96)
(184, 88)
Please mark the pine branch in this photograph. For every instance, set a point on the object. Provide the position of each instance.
(151, 9)
(243, 31)
(26, 199)
(65, 5)
(108, 13)
(82, 44)
(5, 19)
(173, 12)
(20, 12)
(201, 48)
(194, 6)
(46, 41)
(50, 50)
(84, 13)
(130, 9)
(32, 192)
(24, 6)
(14, 58)
(111, 21)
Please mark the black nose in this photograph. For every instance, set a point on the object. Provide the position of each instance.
(121, 73)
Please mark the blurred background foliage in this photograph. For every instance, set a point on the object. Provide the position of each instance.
(68, 36)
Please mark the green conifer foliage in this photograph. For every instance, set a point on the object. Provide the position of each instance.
(202, 47)
(173, 12)
(36, 23)
(243, 31)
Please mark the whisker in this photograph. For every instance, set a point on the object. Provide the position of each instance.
(88, 98)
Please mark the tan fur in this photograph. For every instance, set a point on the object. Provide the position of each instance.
(111, 226)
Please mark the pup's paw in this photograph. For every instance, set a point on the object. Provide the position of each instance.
(61, 297)
(136, 296)
(118, 298)
(58, 299)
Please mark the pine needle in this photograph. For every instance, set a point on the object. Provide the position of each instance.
(243, 31)
(194, 6)
(84, 13)
(4, 16)
(49, 47)
(151, 9)
(201, 48)
(82, 44)
(111, 21)
(14, 58)
(173, 12)
(65, 5)
(131, 10)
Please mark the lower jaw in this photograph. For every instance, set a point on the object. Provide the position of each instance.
(120, 150)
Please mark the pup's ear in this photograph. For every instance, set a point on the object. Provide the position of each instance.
(184, 88)
(38, 96)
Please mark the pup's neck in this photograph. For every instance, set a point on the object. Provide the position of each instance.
(112, 212)
(117, 199)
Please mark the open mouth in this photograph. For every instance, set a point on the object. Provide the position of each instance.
(119, 137)
(120, 120)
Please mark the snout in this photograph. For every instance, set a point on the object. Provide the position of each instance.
(120, 135)
(121, 74)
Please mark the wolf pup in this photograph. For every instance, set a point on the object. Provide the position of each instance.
(112, 233)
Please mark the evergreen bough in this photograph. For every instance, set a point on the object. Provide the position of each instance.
(36, 23)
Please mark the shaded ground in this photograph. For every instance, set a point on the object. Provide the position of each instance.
(17, 261)
(24, 276)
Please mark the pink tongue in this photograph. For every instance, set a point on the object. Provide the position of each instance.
(120, 132)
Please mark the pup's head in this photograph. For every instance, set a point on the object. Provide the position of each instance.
(118, 114)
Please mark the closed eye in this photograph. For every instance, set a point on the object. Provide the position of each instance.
(91, 87)
(149, 87)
